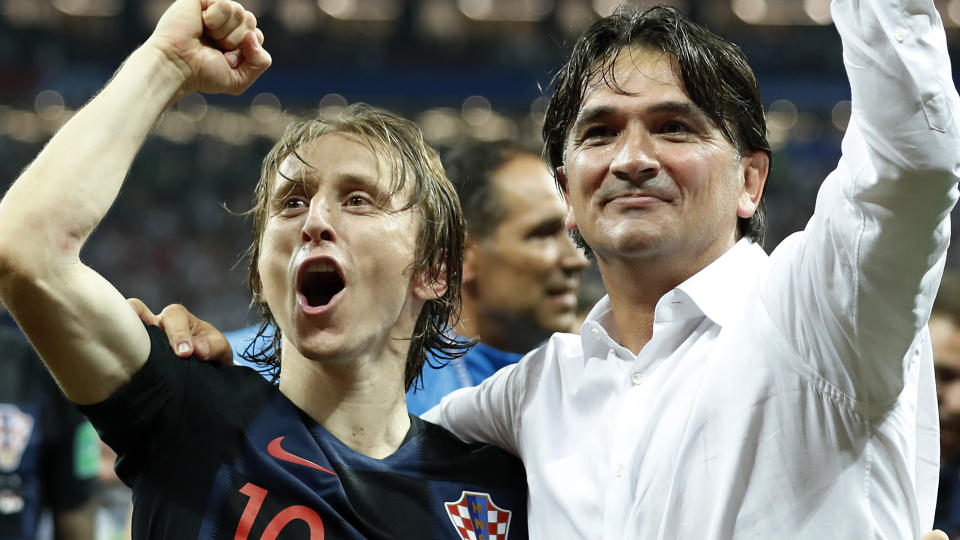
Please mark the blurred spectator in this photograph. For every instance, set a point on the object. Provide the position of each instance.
(945, 340)
(49, 454)
(114, 515)
(521, 272)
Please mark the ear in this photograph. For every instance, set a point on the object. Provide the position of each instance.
(569, 221)
(430, 285)
(756, 166)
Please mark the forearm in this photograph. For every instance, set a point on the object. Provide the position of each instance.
(905, 106)
(58, 200)
(82, 327)
(864, 275)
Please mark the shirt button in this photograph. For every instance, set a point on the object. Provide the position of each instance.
(900, 35)
(595, 333)
(636, 378)
(618, 470)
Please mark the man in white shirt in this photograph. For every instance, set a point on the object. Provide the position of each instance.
(718, 392)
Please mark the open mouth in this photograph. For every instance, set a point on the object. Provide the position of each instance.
(319, 283)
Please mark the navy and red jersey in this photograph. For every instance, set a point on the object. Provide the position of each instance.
(218, 452)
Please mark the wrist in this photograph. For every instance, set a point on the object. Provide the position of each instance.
(165, 74)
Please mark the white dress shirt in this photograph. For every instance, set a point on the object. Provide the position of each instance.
(781, 397)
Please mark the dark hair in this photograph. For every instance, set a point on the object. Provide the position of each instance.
(714, 72)
(399, 143)
(470, 166)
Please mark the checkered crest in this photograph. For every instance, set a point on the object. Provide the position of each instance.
(476, 517)
(15, 429)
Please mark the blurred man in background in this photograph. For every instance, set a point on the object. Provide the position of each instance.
(521, 271)
(945, 340)
(49, 454)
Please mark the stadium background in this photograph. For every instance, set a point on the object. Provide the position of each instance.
(475, 68)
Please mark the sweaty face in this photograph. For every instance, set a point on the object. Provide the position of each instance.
(648, 175)
(336, 253)
(528, 270)
(945, 340)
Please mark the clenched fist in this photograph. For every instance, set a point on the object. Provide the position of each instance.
(215, 45)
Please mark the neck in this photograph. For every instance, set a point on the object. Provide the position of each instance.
(635, 285)
(359, 400)
(499, 330)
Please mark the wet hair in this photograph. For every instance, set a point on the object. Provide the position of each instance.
(713, 70)
(415, 168)
(471, 166)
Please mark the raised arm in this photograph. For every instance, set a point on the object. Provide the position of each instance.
(82, 327)
(864, 273)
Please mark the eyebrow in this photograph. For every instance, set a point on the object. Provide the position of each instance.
(286, 183)
(591, 115)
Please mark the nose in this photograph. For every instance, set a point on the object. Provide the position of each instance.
(636, 158)
(317, 226)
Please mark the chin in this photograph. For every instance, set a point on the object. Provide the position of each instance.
(563, 323)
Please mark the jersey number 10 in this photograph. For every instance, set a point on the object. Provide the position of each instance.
(256, 496)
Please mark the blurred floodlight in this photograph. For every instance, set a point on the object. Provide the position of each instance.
(49, 105)
(230, 127)
(333, 101)
(23, 126)
(476, 9)
(265, 107)
(338, 9)
(818, 11)
(840, 115)
(298, 15)
(574, 16)
(496, 128)
(193, 107)
(361, 10)
(19, 12)
(506, 10)
(538, 109)
(782, 114)
(751, 11)
(89, 8)
(476, 110)
(175, 127)
(606, 7)
(439, 125)
(953, 11)
(440, 19)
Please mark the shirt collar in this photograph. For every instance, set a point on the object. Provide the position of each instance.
(717, 292)
(720, 289)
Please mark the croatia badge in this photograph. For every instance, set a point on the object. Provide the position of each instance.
(476, 517)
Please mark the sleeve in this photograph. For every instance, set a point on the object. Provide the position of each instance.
(169, 409)
(491, 411)
(73, 457)
(854, 289)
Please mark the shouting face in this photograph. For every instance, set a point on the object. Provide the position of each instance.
(337, 252)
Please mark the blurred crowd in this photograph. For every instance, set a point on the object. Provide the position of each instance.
(180, 222)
